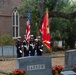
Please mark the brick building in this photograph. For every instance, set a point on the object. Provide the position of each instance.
(10, 20)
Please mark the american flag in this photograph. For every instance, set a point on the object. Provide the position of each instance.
(28, 27)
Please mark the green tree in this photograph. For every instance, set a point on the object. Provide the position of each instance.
(62, 12)
(32, 4)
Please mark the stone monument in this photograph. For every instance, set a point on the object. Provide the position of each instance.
(70, 59)
(35, 65)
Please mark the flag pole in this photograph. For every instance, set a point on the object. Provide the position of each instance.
(27, 32)
(49, 28)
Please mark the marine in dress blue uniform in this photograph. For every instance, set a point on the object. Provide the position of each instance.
(26, 48)
(39, 47)
(19, 47)
(36, 41)
(32, 46)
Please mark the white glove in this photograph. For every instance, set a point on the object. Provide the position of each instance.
(22, 46)
(41, 50)
(20, 51)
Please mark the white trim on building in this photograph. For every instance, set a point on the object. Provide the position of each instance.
(15, 24)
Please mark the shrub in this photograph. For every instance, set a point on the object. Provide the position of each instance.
(6, 39)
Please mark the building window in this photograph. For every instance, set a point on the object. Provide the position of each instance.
(15, 24)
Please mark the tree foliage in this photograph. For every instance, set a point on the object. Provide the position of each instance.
(33, 5)
(62, 17)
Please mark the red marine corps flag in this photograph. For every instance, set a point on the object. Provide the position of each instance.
(27, 33)
(44, 29)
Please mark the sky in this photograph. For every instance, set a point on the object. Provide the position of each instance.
(73, 0)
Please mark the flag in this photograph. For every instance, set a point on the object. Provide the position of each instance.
(44, 29)
(27, 33)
